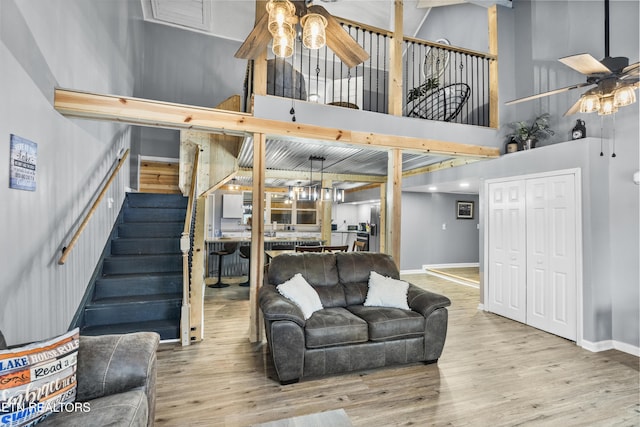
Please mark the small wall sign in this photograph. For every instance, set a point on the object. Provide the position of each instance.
(464, 210)
(22, 167)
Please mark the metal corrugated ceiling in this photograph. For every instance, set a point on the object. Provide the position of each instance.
(293, 155)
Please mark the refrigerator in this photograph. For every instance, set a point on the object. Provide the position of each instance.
(374, 229)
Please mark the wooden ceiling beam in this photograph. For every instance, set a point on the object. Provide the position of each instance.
(146, 112)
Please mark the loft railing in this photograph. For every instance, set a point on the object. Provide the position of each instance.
(444, 82)
(186, 246)
(459, 92)
(67, 249)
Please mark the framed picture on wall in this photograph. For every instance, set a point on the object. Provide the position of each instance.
(464, 210)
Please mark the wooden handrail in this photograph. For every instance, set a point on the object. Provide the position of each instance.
(450, 48)
(192, 192)
(67, 249)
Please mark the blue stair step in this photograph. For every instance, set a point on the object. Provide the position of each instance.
(127, 264)
(145, 246)
(150, 200)
(137, 284)
(154, 214)
(109, 311)
(151, 229)
(168, 329)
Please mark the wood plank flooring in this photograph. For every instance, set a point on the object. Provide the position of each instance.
(493, 372)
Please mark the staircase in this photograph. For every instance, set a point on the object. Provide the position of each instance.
(138, 285)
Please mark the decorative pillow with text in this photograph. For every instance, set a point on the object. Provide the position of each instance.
(38, 379)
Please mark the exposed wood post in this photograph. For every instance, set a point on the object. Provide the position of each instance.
(394, 204)
(260, 63)
(494, 121)
(325, 227)
(382, 231)
(395, 62)
(257, 236)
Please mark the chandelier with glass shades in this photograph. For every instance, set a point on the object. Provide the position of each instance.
(310, 192)
(282, 26)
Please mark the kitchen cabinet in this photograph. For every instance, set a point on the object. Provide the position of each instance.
(232, 206)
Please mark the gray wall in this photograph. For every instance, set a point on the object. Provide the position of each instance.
(187, 68)
(73, 44)
(424, 242)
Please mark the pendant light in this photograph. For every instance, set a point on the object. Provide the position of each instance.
(313, 31)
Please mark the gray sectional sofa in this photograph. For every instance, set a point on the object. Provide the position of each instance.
(345, 335)
(116, 375)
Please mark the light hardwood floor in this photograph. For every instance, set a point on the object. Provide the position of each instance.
(493, 372)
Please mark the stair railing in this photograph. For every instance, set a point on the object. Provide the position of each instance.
(67, 249)
(186, 246)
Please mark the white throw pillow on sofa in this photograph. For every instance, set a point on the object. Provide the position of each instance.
(298, 290)
(386, 292)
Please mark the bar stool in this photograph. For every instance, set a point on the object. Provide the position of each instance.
(245, 252)
(227, 249)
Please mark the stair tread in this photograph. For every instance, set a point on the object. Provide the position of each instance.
(135, 299)
(140, 275)
(123, 328)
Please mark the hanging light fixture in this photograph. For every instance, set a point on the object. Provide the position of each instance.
(234, 185)
(284, 41)
(282, 26)
(338, 195)
(280, 13)
(313, 31)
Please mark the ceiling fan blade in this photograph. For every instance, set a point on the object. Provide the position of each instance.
(339, 40)
(630, 72)
(574, 108)
(551, 92)
(257, 40)
(585, 64)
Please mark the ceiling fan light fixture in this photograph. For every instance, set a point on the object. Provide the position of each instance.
(280, 12)
(624, 96)
(590, 103)
(283, 42)
(607, 106)
(313, 31)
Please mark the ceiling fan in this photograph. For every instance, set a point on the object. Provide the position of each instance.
(614, 79)
(337, 38)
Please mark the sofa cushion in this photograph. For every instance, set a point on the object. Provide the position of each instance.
(122, 409)
(386, 292)
(319, 269)
(334, 326)
(302, 294)
(354, 269)
(390, 323)
(37, 379)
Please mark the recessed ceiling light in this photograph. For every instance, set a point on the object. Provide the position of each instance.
(432, 188)
(464, 184)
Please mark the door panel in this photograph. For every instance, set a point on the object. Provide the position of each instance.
(507, 250)
(551, 255)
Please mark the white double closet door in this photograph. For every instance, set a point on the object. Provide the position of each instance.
(533, 232)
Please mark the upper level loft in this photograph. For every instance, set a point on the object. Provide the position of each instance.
(384, 73)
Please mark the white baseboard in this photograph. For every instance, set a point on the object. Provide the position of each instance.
(610, 345)
(416, 271)
(453, 279)
(452, 265)
(481, 306)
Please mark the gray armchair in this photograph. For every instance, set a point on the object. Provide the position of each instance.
(116, 374)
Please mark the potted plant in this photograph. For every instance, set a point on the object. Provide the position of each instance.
(527, 134)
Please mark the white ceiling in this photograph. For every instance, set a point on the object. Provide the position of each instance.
(234, 19)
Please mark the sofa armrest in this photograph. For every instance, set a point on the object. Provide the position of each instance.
(276, 307)
(111, 364)
(425, 302)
